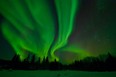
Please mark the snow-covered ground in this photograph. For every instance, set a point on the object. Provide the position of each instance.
(6, 73)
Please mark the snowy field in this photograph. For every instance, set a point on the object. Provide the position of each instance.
(6, 73)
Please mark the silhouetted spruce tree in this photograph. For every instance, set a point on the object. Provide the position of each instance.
(16, 58)
(33, 59)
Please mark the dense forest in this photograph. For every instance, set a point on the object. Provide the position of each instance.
(87, 64)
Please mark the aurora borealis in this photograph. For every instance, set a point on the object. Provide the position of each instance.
(65, 30)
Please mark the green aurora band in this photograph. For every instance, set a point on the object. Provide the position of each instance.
(30, 26)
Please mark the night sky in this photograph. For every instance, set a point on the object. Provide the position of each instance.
(93, 32)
